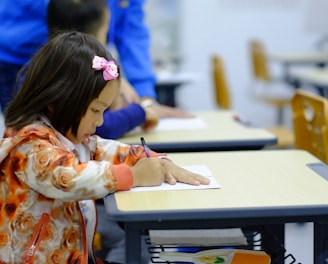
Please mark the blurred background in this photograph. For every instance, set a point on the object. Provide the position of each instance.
(186, 33)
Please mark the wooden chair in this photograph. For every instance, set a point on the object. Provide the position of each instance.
(223, 99)
(222, 92)
(264, 86)
(310, 119)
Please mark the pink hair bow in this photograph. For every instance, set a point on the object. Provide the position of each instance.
(109, 68)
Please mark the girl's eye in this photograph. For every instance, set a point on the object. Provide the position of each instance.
(95, 110)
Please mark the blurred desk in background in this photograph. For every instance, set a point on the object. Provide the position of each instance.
(168, 82)
(306, 58)
(208, 131)
(317, 78)
(310, 57)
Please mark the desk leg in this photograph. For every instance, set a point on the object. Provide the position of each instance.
(285, 70)
(273, 242)
(166, 94)
(288, 79)
(320, 234)
(132, 245)
(322, 90)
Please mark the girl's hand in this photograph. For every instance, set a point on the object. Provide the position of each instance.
(147, 172)
(175, 173)
(153, 171)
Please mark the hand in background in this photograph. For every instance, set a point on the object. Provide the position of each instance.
(128, 95)
(152, 119)
(164, 110)
(168, 111)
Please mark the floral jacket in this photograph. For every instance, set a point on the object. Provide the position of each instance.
(47, 193)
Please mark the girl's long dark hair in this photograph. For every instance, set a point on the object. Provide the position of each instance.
(59, 82)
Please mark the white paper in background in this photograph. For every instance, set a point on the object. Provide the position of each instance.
(172, 123)
(180, 124)
(200, 169)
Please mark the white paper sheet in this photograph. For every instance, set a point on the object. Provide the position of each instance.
(200, 169)
(180, 124)
(172, 123)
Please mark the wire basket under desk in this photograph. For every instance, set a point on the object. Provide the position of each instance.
(276, 249)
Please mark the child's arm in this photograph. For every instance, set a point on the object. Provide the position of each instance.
(57, 173)
(118, 152)
(147, 171)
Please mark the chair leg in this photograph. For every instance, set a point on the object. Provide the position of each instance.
(280, 116)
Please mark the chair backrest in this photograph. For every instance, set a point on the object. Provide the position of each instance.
(310, 118)
(259, 60)
(222, 92)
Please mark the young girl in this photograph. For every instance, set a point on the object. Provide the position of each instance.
(92, 17)
(53, 167)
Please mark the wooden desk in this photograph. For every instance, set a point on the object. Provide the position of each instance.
(315, 77)
(294, 58)
(269, 187)
(316, 58)
(223, 132)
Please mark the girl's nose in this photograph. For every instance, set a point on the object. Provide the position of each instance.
(99, 122)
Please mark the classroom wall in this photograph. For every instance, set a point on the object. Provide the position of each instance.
(202, 28)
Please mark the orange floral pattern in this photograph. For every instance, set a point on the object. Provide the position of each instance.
(40, 174)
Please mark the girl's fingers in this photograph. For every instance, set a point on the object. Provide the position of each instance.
(203, 180)
(170, 179)
(174, 173)
(194, 179)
